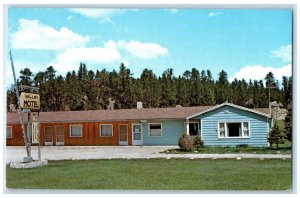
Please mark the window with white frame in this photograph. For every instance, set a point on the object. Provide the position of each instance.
(106, 130)
(8, 132)
(155, 129)
(75, 130)
(234, 129)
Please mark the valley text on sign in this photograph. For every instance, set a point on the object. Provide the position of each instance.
(30, 101)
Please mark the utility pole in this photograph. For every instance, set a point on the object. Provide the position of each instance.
(27, 144)
(270, 98)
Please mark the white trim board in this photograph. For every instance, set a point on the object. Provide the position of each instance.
(231, 105)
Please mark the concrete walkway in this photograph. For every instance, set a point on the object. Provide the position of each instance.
(16, 153)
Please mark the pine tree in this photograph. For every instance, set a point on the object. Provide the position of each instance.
(223, 93)
(151, 89)
(124, 89)
(196, 98)
(276, 136)
(25, 78)
(73, 92)
(182, 92)
(168, 89)
(102, 82)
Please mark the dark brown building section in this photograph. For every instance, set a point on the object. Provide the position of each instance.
(51, 134)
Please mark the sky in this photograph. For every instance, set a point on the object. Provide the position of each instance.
(246, 43)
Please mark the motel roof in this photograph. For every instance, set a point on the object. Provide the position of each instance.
(126, 114)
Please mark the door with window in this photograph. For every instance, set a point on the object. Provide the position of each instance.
(137, 136)
(123, 131)
(48, 135)
(60, 136)
(194, 128)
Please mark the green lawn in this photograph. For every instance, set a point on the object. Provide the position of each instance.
(156, 174)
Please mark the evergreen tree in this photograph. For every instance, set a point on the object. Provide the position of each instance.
(250, 103)
(102, 81)
(168, 89)
(84, 89)
(222, 88)
(270, 80)
(270, 84)
(114, 84)
(91, 92)
(196, 98)
(182, 94)
(276, 136)
(73, 92)
(261, 99)
(126, 98)
(25, 78)
(151, 90)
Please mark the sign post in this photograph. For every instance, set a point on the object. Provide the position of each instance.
(29, 100)
(27, 145)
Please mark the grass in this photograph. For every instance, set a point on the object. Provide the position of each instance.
(156, 174)
(283, 149)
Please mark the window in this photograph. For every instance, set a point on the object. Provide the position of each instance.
(106, 130)
(75, 130)
(245, 129)
(8, 132)
(222, 129)
(155, 130)
(234, 129)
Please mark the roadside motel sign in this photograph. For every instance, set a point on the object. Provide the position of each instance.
(30, 101)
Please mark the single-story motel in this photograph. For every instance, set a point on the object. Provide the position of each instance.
(221, 125)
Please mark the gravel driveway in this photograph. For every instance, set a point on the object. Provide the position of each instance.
(16, 153)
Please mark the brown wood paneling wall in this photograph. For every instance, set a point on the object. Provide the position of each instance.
(90, 134)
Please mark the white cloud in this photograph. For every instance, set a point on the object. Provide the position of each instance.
(96, 13)
(283, 52)
(32, 34)
(138, 49)
(69, 18)
(173, 11)
(259, 72)
(104, 15)
(70, 59)
(214, 14)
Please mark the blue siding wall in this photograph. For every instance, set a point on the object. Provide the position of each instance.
(171, 131)
(258, 127)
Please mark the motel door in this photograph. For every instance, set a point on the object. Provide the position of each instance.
(60, 136)
(137, 134)
(48, 135)
(123, 131)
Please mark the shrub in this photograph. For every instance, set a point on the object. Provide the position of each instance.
(242, 146)
(189, 143)
(198, 143)
(276, 136)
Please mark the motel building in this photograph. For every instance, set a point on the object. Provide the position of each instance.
(221, 125)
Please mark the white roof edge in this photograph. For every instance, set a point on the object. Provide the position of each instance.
(229, 104)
